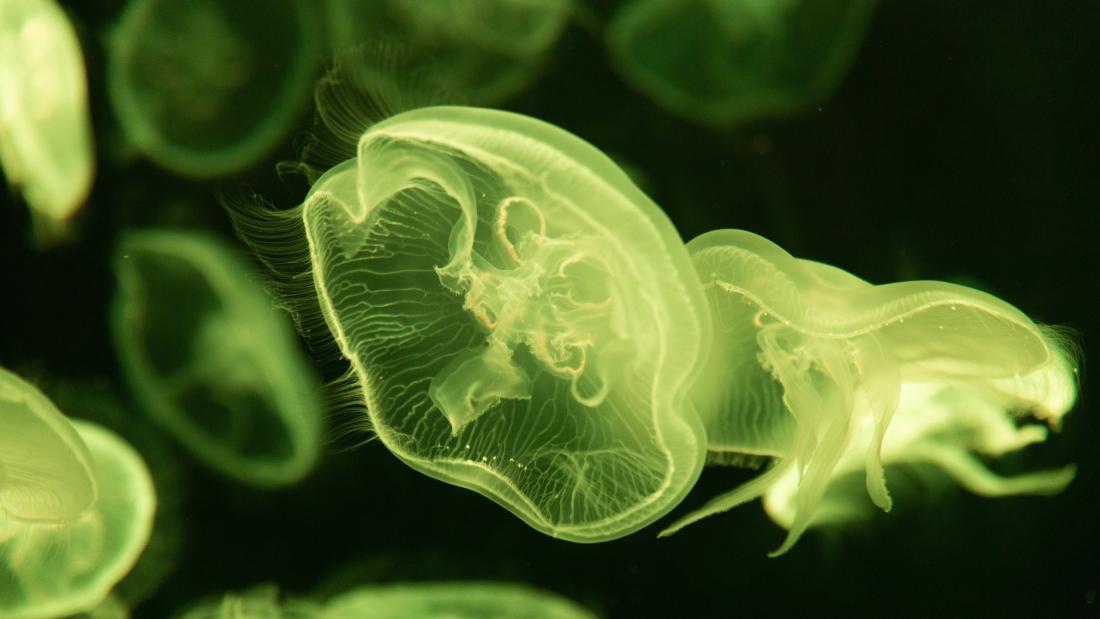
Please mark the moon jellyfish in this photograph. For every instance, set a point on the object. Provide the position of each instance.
(829, 375)
(210, 359)
(454, 600)
(45, 132)
(520, 319)
(204, 88)
(729, 62)
(76, 507)
(488, 49)
(261, 602)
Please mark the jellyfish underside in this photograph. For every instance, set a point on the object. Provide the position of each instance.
(493, 322)
(816, 367)
(210, 359)
(76, 507)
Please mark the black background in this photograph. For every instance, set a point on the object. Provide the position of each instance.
(963, 146)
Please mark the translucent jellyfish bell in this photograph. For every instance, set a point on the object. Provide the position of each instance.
(454, 600)
(212, 360)
(59, 566)
(727, 62)
(829, 374)
(45, 131)
(488, 50)
(521, 319)
(205, 88)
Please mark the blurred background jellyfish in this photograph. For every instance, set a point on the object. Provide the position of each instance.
(419, 600)
(76, 507)
(729, 62)
(45, 132)
(828, 374)
(206, 88)
(489, 50)
(520, 319)
(211, 359)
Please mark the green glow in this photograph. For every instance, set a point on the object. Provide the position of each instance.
(261, 602)
(45, 132)
(728, 62)
(830, 375)
(211, 359)
(488, 50)
(522, 320)
(204, 88)
(454, 600)
(65, 560)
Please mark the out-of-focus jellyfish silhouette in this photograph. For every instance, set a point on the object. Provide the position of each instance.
(204, 88)
(210, 358)
(45, 131)
(489, 50)
(829, 375)
(729, 62)
(76, 507)
(421, 600)
(520, 319)
(454, 600)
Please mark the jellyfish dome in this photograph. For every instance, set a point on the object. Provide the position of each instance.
(520, 318)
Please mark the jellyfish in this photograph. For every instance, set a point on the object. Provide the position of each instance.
(730, 62)
(519, 319)
(454, 600)
(827, 375)
(76, 507)
(45, 131)
(209, 358)
(205, 88)
(489, 50)
(260, 602)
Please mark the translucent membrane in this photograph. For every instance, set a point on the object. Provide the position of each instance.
(522, 320)
(454, 600)
(205, 88)
(63, 566)
(212, 360)
(829, 375)
(728, 62)
(488, 50)
(45, 132)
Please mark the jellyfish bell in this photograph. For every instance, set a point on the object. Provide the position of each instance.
(45, 130)
(519, 318)
(46, 472)
(816, 368)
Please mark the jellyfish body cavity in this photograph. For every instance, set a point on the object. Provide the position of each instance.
(206, 89)
(45, 130)
(76, 507)
(729, 62)
(522, 320)
(209, 357)
(830, 375)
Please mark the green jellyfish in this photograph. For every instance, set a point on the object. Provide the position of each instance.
(260, 602)
(210, 358)
(454, 600)
(729, 62)
(830, 375)
(204, 88)
(519, 318)
(76, 507)
(45, 132)
(489, 50)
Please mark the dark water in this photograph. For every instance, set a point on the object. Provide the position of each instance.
(965, 143)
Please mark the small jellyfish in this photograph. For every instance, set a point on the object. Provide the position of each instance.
(209, 357)
(829, 375)
(519, 318)
(454, 600)
(76, 507)
(45, 131)
(489, 50)
(729, 62)
(204, 88)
